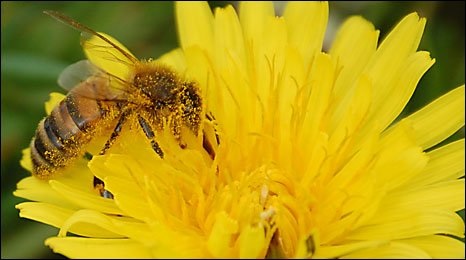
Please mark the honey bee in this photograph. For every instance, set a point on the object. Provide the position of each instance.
(151, 94)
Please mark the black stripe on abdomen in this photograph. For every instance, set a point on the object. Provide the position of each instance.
(83, 111)
(46, 148)
(50, 127)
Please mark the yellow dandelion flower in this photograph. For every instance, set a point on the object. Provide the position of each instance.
(300, 154)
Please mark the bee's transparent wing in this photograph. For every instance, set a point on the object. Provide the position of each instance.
(76, 73)
(99, 84)
(107, 53)
(101, 49)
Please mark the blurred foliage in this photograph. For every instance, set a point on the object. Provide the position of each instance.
(35, 48)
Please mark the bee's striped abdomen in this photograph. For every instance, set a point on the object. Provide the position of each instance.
(60, 137)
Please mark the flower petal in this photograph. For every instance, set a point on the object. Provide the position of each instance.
(253, 16)
(229, 40)
(438, 246)
(78, 247)
(445, 163)
(38, 190)
(322, 76)
(413, 223)
(402, 87)
(44, 212)
(393, 250)
(175, 59)
(252, 242)
(385, 65)
(54, 100)
(85, 218)
(398, 154)
(439, 119)
(352, 48)
(85, 198)
(219, 238)
(195, 24)
(306, 23)
(447, 196)
(58, 217)
(340, 250)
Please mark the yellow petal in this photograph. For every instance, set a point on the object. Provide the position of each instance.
(78, 247)
(353, 46)
(306, 23)
(132, 201)
(340, 250)
(26, 162)
(402, 87)
(443, 195)
(44, 212)
(219, 238)
(38, 190)
(86, 198)
(439, 119)
(175, 59)
(54, 100)
(57, 217)
(89, 220)
(269, 59)
(116, 172)
(350, 113)
(413, 223)
(229, 40)
(438, 246)
(393, 250)
(195, 24)
(322, 76)
(385, 65)
(405, 161)
(252, 242)
(176, 244)
(445, 163)
(399, 158)
(253, 16)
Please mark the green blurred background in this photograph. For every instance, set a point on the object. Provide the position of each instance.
(35, 49)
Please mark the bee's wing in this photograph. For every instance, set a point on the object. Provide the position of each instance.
(101, 49)
(100, 85)
(107, 53)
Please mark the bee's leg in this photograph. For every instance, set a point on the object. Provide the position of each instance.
(100, 187)
(150, 135)
(116, 131)
(207, 143)
(176, 130)
(98, 183)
